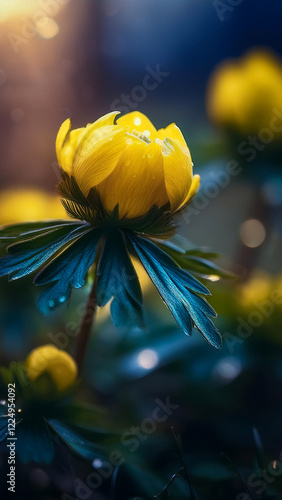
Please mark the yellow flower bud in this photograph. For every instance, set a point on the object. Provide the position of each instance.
(55, 363)
(129, 163)
(242, 94)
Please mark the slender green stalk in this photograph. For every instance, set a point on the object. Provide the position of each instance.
(86, 326)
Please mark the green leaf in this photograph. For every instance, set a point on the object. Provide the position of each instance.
(33, 241)
(76, 443)
(146, 481)
(91, 414)
(195, 260)
(206, 254)
(26, 227)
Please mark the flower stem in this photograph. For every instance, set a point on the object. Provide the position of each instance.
(86, 326)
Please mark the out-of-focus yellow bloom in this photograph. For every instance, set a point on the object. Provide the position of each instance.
(129, 162)
(278, 282)
(56, 364)
(260, 304)
(26, 204)
(256, 289)
(242, 93)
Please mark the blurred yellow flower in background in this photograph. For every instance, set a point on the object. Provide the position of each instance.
(259, 301)
(52, 368)
(242, 93)
(129, 163)
(278, 282)
(256, 289)
(26, 204)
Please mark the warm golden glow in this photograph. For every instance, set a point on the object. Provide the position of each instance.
(213, 277)
(10, 9)
(47, 28)
(15, 8)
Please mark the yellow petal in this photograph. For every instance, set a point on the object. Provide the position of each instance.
(97, 157)
(69, 149)
(137, 183)
(174, 133)
(105, 120)
(68, 142)
(139, 122)
(61, 137)
(177, 171)
(193, 190)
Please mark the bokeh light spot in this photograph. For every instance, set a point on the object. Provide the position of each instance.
(252, 233)
(97, 463)
(148, 359)
(227, 369)
(213, 277)
(47, 28)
